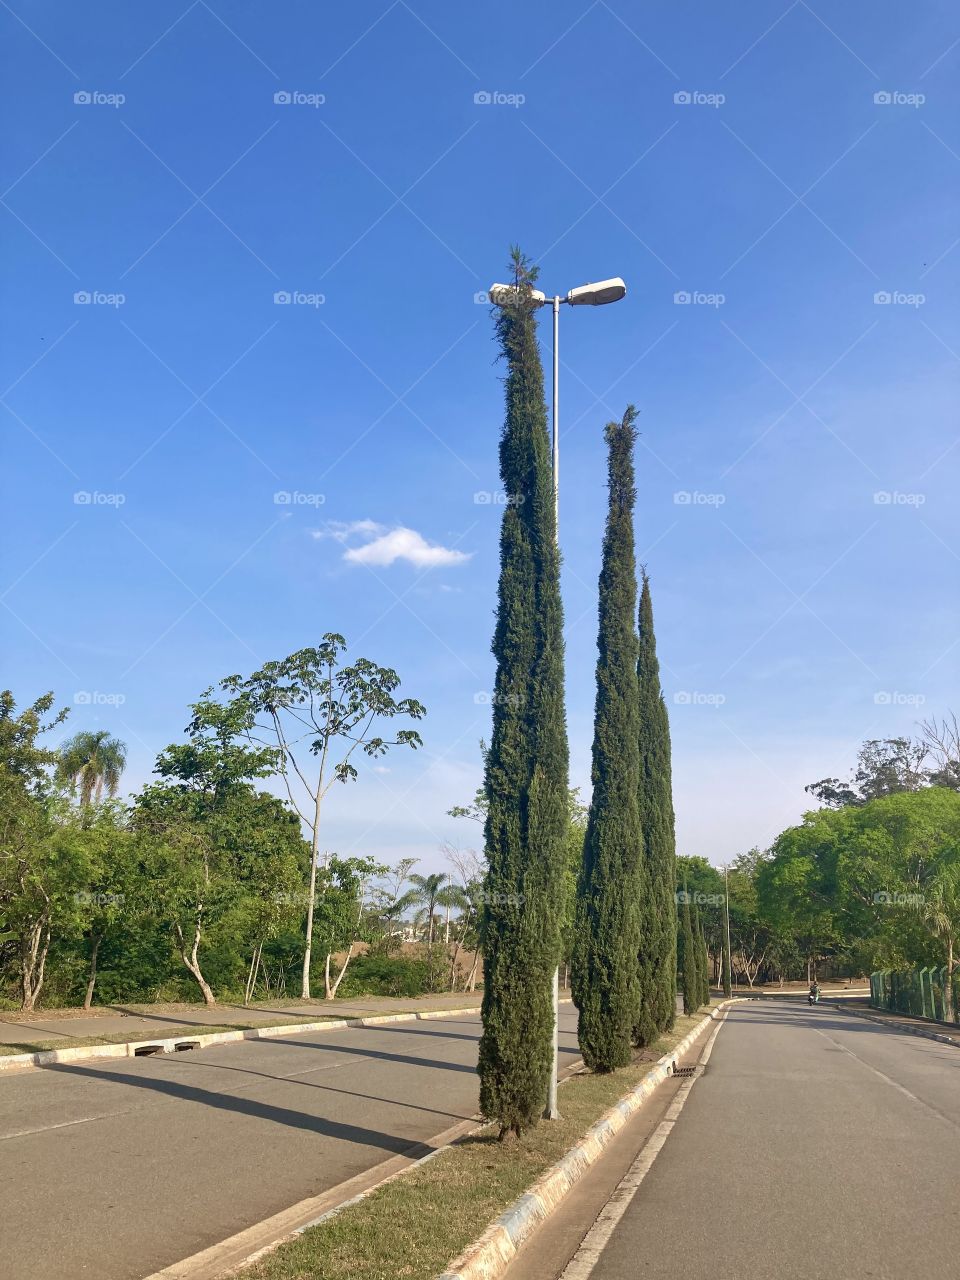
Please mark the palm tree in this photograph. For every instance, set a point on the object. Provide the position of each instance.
(452, 896)
(92, 762)
(427, 889)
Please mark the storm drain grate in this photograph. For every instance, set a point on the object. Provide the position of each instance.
(145, 1050)
(686, 1072)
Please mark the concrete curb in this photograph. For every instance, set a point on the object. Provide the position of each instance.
(488, 1257)
(896, 1026)
(13, 1062)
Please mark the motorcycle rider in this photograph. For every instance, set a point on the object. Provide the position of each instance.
(814, 994)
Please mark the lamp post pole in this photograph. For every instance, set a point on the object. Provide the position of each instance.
(590, 295)
(552, 1111)
(728, 958)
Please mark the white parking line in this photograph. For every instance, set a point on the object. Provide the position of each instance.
(597, 1238)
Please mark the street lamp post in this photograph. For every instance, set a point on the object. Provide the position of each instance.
(728, 959)
(591, 295)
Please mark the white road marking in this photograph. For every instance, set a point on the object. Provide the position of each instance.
(64, 1124)
(888, 1080)
(597, 1238)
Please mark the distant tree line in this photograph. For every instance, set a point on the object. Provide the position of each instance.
(204, 885)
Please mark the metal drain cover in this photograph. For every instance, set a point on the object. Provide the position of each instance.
(687, 1072)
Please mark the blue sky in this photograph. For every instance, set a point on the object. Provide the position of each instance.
(780, 164)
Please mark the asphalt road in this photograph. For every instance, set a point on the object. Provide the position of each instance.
(816, 1145)
(118, 1169)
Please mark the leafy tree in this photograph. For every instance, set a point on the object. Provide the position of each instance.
(112, 886)
(657, 956)
(91, 763)
(941, 741)
(339, 911)
(312, 711)
(526, 766)
(796, 887)
(612, 883)
(203, 828)
(885, 766)
(37, 869)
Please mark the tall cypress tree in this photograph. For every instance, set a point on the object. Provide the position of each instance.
(687, 955)
(704, 965)
(526, 764)
(700, 947)
(658, 950)
(605, 977)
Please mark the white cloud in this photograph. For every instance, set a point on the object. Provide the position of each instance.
(381, 545)
(341, 530)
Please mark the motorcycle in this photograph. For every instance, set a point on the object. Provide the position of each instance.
(813, 997)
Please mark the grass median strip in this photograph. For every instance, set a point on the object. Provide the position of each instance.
(412, 1227)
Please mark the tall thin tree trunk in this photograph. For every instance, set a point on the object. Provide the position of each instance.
(314, 849)
(92, 979)
(453, 966)
(252, 975)
(331, 988)
(191, 960)
(33, 961)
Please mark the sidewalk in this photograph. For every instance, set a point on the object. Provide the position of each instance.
(137, 1021)
(903, 1021)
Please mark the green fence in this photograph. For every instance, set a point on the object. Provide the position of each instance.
(916, 991)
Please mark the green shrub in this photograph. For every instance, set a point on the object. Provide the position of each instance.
(378, 975)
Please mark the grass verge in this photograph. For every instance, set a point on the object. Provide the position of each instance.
(412, 1227)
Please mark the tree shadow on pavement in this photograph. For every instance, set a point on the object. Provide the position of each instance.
(404, 1059)
(325, 1088)
(321, 1125)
